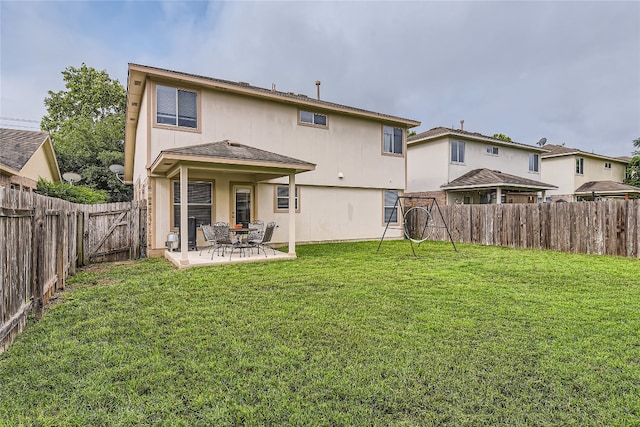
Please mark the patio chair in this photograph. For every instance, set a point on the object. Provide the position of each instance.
(266, 238)
(223, 237)
(210, 237)
(255, 237)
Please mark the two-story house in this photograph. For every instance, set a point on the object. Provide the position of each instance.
(25, 157)
(321, 170)
(457, 166)
(580, 175)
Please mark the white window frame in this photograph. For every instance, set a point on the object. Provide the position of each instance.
(457, 144)
(607, 165)
(174, 203)
(281, 193)
(176, 123)
(492, 150)
(579, 165)
(390, 205)
(534, 162)
(395, 137)
(311, 118)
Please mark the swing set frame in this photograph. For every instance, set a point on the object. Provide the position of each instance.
(428, 209)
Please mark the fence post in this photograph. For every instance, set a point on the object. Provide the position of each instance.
(38, 258)
(85, 237)
(60, 248)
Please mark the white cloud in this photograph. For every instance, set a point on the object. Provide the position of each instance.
(568, 71)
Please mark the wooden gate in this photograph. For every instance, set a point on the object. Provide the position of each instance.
(109, 232)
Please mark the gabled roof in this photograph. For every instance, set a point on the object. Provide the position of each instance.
(607, 187)
(18, 146)
(561, 150)
(486, 178)
(440, 132)
(230, 156)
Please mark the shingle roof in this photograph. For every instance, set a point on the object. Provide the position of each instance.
(443, 131)
(561, 150)
(232, 150)
(491, 178)
(600, 187)
(17, 146)
(285, 95)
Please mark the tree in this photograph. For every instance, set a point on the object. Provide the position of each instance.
(86, 124)
(502, 137)
(633, 169)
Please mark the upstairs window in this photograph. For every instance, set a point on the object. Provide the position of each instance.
(315, 119)
(534, 162)
(457, 152)
(492, 150)
(392, 140)
(580, 166)
(176, 107)
(607, 165)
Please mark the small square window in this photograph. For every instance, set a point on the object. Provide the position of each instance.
(492, 150)
(282, 198)
(315, 119)
(607, 165)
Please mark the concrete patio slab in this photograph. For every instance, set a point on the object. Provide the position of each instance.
(195, 258)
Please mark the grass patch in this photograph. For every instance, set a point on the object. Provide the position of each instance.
(341, 336)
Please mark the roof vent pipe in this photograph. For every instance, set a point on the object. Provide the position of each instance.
(318, 88)
(461, 124)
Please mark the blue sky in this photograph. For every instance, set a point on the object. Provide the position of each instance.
(567, 71)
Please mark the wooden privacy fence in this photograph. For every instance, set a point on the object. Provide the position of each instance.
(609, 227)
(43, 240)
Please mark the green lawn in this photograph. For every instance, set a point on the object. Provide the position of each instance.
(341, 336)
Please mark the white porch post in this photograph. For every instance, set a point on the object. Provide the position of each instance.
(498, 195)
(184, 215)
(292, 214)
(544, 193)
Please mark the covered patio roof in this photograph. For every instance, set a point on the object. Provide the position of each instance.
(603, 188)
(486, 178)
(228, 156)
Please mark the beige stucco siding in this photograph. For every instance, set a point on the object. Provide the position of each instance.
(427, 166)
(326, 213)
(561, 172)
(332, 214)
(38, 166)
(594, 170)
(513, 161)
(348, 145)
(140, 160)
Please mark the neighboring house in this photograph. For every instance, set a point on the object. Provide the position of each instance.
(237, 150)
(457, 166)
(26, 156)
(585, 176)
